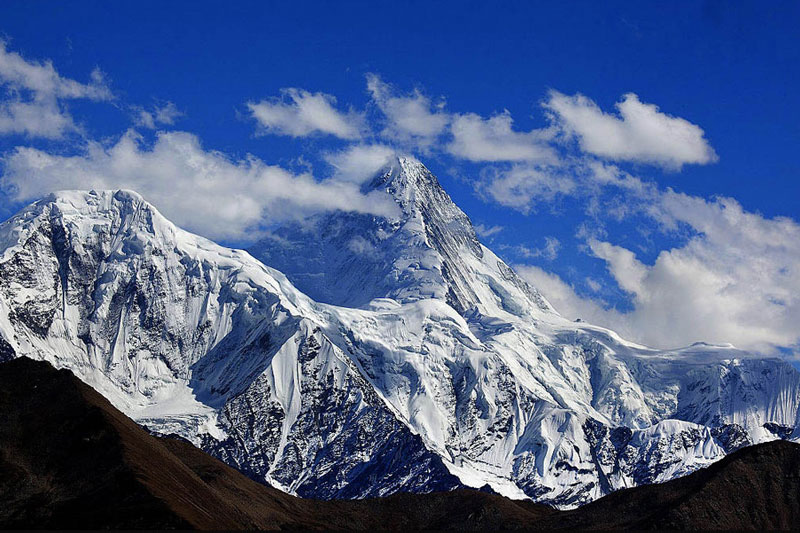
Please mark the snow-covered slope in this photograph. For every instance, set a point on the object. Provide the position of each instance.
(413, 359)
(430, 252)
(192, 338)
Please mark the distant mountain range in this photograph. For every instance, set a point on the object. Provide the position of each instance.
(69, 459)
(354, 356)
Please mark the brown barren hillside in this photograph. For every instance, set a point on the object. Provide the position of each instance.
(68, 459)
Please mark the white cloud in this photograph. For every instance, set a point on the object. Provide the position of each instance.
(522, 186)
(361, 246)
(204, 191)
(33, 104)
(737, 280)
(640, 133)
(359, 162)
(300, 113)
(487, 231)
(43, 80)
(564, 298)
(165, 114)
(547, 251)
(493, 139)
(35, 119)
(410, 119)
(414, 120)
(593, 284)
(622, 264)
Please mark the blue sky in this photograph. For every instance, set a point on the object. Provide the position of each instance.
(669, 214)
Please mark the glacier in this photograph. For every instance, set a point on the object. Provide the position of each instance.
(348, 355)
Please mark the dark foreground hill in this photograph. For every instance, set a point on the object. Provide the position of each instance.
(68, 459)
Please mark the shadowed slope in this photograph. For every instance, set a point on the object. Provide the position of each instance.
(68, 459)
(757, 487)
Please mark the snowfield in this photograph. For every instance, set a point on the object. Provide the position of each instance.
(371, 356)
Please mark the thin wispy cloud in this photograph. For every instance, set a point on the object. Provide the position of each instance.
(487, 231)
(159, 115)
(359, 162)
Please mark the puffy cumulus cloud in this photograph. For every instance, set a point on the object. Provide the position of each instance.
(204, 191)
(736, 279)
(640, 133)
(299, 113)
(35, 119)
(360, 162)
(410, 119)
(413, 120)
(493, 139)
(521, 187)
(33, 103)
(622, 264)
(165, 114)
(565, 299)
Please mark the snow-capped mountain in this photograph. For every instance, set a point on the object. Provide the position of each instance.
(392, 355)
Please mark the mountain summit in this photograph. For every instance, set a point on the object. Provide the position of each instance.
(371, 356)
(431, 251)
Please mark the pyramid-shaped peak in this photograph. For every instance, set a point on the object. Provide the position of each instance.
(411, 166)
(405, 177)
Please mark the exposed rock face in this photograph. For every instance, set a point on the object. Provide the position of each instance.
(430, 363)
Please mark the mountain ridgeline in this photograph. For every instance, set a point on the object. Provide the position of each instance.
(353, 356)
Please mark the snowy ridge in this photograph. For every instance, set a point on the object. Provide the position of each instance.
(429, 364)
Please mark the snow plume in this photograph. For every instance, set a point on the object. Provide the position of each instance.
(35, 92)
(202, 190)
